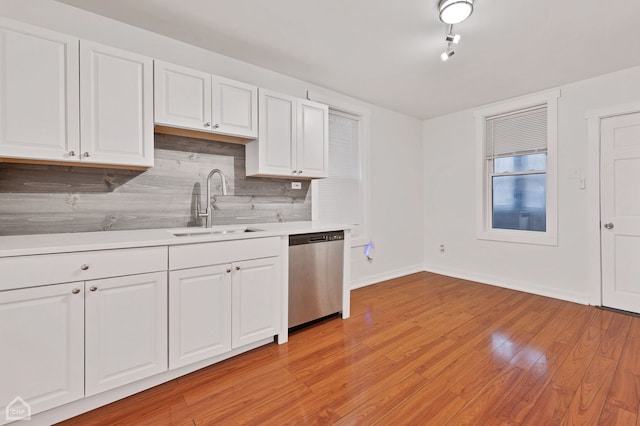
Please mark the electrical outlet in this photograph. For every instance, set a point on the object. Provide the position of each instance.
(296, 185)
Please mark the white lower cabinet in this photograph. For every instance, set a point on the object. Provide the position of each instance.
(70, 329)
(62, 342)
(42, 338)
(126, 330)
(214, 309)
(256, 300)
(199, 314)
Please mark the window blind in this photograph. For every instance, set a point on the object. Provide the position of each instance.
(339, 195)
(518, 133)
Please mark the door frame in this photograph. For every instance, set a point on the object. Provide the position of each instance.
(594, 254)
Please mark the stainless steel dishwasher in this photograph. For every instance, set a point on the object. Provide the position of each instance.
(315, 276)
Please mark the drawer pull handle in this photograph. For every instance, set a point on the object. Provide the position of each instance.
(75, 291)
(93, 288)
(84, 267)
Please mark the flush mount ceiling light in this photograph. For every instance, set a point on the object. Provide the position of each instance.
(455, 11)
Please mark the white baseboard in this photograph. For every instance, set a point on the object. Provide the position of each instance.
(374, 279)
(582, 299)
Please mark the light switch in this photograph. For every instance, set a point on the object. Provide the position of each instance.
(296, 185)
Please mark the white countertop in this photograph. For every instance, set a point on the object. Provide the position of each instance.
(25, 245)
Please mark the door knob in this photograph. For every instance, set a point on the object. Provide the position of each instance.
(608, 225)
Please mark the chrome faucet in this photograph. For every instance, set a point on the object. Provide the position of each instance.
(207, 213)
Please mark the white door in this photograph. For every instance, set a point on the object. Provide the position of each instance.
(235, 108)
(42, 356)
(199, 314)
(39, 94)
(313, 139)
(620, 211)
(256, 300)
(116, 106)
(182, 97)
(126, 330)
(277, 129)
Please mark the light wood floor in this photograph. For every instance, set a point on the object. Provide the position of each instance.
(422, 349)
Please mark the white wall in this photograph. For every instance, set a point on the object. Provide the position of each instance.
(396, 148)
(450, 210)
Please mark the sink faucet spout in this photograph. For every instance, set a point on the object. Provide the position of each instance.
(207, 212)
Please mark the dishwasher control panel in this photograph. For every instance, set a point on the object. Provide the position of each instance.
(316, 237)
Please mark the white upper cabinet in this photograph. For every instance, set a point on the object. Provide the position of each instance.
(116, 89)
(182, 96)
(53, 85)
(39, 96)
(235, 108)
(193, 99)
(293, 138)
(313, 139)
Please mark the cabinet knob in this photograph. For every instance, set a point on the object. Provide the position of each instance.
(207, 124)
(93, 288)
(72, 153)
(84, 267)
(228, 270)
(86, 154)
(75, 291)
(237, 268)
(608, 225)
(293, 172)
(299, 172)
(215, 126)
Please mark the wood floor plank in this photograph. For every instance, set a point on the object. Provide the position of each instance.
(420, 349)
(588, 401)
(615, 416)
(625, 388)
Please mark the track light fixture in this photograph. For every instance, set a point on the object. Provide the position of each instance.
(453, 38)
(455, 11)
(447, 54)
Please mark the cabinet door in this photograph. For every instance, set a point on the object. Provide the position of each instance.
(182, 96)
(39, 96)
(313, 139)
(126, 330)
(256, 300)
(42, 356)
(277, 136)
(235, 108)
(199, 314)
(116, 106)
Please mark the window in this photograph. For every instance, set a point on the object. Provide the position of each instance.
(342, 197)
(517, 146)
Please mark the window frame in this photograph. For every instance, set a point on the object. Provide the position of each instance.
(364, 116)
(484, 212)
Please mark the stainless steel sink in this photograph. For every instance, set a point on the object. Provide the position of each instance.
(203, 232)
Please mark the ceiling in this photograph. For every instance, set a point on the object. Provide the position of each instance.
(388, 52)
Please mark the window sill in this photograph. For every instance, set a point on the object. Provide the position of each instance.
(521, 237)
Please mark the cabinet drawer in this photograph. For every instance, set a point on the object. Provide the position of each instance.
(29, 271)
(195, 255)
